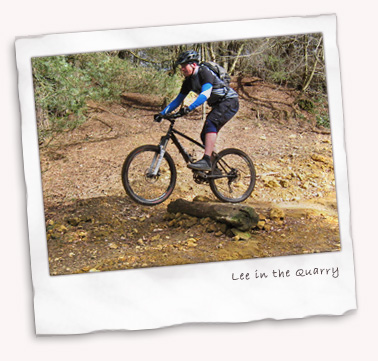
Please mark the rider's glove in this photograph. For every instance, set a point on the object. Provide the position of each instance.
(184, 111)
(158, 118)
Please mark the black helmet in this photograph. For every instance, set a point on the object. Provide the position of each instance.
(189, 56)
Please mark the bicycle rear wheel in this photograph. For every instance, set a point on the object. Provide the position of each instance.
(235, 176)
(138, 179)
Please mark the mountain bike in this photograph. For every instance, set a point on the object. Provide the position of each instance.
(149, 172)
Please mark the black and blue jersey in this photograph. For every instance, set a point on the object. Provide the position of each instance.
(207, 85)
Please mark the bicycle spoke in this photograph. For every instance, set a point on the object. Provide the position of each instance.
(139, 179)
(239, 179)
(142, 182)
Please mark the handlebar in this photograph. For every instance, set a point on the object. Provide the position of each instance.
(172, 116)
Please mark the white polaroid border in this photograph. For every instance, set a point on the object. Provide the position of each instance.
(209, 292)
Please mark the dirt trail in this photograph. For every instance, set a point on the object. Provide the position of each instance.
(93, 226)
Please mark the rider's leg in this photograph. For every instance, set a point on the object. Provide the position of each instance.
(210, 139)
(205, 163)
(216, 119)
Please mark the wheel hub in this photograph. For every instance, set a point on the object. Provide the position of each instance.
(150, 178)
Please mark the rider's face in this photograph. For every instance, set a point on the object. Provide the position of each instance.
(187, 69)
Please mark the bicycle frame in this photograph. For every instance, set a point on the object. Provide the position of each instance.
(171, 135)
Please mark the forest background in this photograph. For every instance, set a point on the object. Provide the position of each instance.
(64, 84)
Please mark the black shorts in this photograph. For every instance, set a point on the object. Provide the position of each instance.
(219, 116)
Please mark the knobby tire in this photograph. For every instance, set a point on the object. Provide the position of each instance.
(241, 176)
(143, 188)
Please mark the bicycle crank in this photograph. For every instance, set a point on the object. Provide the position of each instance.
(200, 177)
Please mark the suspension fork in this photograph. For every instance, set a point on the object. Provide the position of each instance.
(158, 157)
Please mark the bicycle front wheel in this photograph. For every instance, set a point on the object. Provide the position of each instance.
(143, 182)
(235, 176)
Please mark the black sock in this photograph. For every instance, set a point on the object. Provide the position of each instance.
(207, 158)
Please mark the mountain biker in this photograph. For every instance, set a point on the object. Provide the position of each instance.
(222, 99)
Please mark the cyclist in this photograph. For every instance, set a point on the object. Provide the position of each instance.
(222, 99)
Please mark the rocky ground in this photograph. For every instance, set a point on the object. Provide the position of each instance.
(92, 225)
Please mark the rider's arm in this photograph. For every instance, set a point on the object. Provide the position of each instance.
(207, 79)
(173, 104)
(202, 97)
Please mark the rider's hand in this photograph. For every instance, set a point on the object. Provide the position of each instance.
(158, 118)
(184, 111)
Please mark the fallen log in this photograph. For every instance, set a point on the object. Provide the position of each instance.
(142, 100)
(239, 216)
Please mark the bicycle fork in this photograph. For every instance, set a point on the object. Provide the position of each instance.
(158, 157)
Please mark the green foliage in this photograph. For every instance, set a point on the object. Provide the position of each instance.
(321, 111)
(276, 71)
(59, 92)
(305, 104)
(63, 85)
(322, 119)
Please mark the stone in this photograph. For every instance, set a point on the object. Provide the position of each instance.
(191, 242)
(240, 234)
(205, 221)
(305, 185)
(190, 222)
(73, 221)
(267, 227)
(284, 183)
(168, 216)
(201, 199)
(272, 183)
(211, 228)
(276, 214)
(319, 158)
(261, 224)
(223, 228)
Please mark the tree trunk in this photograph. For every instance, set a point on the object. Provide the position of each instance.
(232, 69)
(239, 216)
(308, 78)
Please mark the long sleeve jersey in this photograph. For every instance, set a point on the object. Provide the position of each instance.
(207, 85)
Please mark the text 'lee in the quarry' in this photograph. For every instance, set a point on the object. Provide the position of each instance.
(277, 273)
